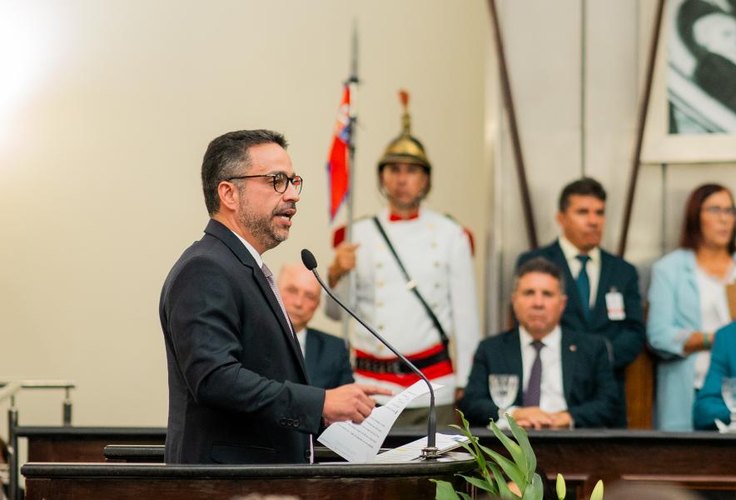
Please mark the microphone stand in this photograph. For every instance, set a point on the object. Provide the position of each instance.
(429, 452)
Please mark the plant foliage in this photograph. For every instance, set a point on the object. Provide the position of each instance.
(496, 474)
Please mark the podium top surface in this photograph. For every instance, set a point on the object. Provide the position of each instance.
(409, 433)
(457, 463)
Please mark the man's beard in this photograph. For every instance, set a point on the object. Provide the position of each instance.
(263, 228)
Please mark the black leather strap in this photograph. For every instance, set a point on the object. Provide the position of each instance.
(397, 366)
(437, 325)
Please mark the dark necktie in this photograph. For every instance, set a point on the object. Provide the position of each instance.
(534, 387)
(583, 283)
(269, 277)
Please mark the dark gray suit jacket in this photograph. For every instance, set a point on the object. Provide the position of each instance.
(238, 388)
(625, 337)
(587, 378)
(328, 361)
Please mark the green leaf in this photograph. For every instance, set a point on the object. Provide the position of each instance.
(492, 466)
(503, 488)
(597, 491)
(561, 487)
(444, 491)
(514, 473)
(468, 447)
(535, 489)
(483, 484)
(521, 467)
(523, 440)
(514, 449)
(479, 457)
(473, 447)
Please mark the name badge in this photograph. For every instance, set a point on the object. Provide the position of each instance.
(615, 305)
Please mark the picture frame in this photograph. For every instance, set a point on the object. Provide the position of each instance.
(672, 83)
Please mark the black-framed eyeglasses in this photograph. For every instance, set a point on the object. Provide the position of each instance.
(280, 181)
(716, 211)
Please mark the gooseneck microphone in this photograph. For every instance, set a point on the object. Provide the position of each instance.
(430, 451)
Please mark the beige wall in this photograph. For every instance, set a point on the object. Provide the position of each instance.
(106, 108)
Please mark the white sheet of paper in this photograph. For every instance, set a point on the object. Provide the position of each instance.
(412, 451)
(725, 429)
(361, 442)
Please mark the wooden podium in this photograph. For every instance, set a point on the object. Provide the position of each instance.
(695, 460)
(121, 481)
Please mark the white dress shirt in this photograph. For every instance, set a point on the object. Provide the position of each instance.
(301, 336)
(251, 249)
(552, 395)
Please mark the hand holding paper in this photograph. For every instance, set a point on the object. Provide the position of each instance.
(361, 442)
(350, 402)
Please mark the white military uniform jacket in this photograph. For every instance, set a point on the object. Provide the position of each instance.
(436, 253)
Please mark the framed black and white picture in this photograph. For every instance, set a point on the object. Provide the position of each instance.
(692, 117)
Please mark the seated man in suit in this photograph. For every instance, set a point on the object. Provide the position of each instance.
(602, 290)
(567, 376)
(326, 357)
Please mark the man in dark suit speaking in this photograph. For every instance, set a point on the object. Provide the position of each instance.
(602, 289)
(326, 357)
(238, 389)
(564, 378)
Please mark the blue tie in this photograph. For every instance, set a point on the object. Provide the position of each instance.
(583, 283)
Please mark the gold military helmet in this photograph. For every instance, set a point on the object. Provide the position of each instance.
(405, 148)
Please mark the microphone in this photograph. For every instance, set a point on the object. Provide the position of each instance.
(430, 451)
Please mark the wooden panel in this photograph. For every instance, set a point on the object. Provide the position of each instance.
(585, 456)
(133, 482)
(640, 391)
(75, 450)
(83, 444)
(112, 489)
(689, 481)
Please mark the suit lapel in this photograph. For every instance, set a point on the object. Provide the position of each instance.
(221, 232)
(690, 271)
(512, 358)
(600, 312)
(568, 353)
(279, 314)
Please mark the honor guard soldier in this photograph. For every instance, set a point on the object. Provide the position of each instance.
(412, 279)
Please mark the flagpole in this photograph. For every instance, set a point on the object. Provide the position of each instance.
(352, 82)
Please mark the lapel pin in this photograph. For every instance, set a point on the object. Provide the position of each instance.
(573, 348)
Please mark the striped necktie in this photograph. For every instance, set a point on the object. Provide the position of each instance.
(269, 277)
(533, 392)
